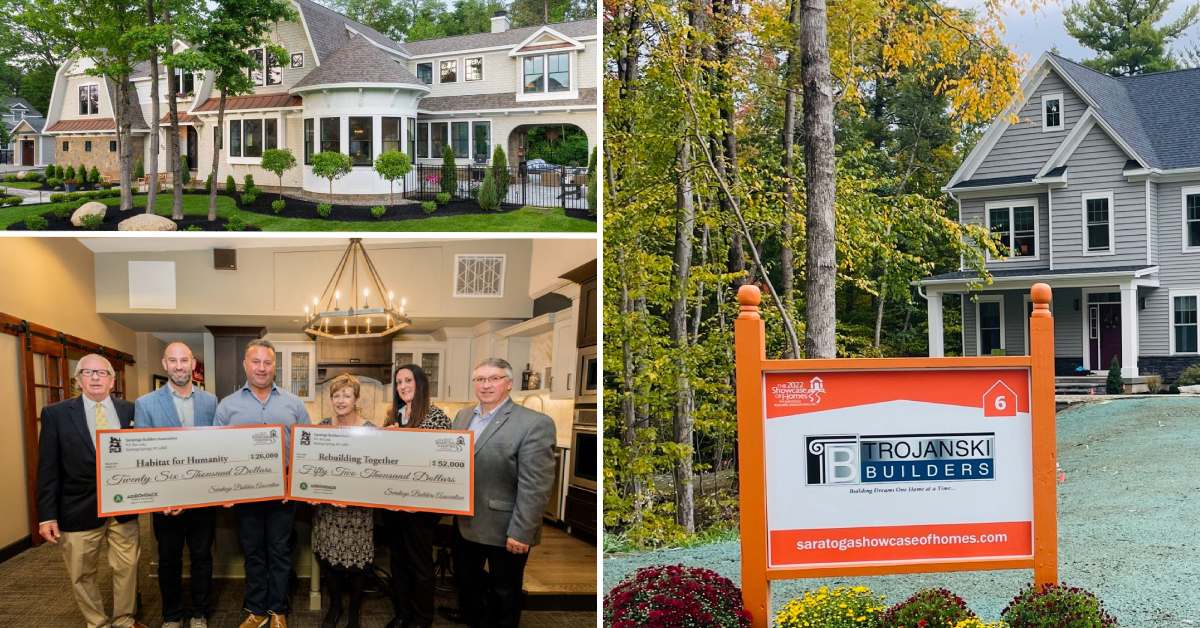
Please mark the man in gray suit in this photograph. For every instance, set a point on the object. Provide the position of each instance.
(514, 471)
(181, 404)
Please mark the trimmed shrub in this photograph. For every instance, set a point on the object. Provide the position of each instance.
(1053, 605)
(36, 223)
(324, 210)
(840, 607)
(428, 207)
(92, 221)
(1190, 376)
(235, 222)
(185, 175)
(13, 201)
(500, 173)
(193, 228)
(59, 173)
(230, 185)
(592, 183)
(249, 197)
(139, 170)
(1113, 384)
(63, 211)
(278, 205)
(278, 161)
(70, 174)
(53, 182)
(208, 184)
(83, 174)
(49, 171)
(249, 183)
(58, 197)
(488, 201)
(449, 171)
(94, 175)
(392, 165)
(675, 595)
(931, 607)
(975, 622)
(331, 165)
(442, 198)
(378, 211)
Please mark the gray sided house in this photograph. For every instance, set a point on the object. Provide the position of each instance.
(1095, 190)
(27, 145)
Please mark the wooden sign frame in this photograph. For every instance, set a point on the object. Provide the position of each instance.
(751, 367)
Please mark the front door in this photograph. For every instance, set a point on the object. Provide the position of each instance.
(1104, 334)
(26, 153)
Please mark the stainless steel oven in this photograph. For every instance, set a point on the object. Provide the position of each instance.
(588, 375)
(583, 456)
(585, 416)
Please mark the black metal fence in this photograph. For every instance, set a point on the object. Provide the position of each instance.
(556, 186)
(6, 156)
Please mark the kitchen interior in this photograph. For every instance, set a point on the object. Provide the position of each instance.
(456, 302)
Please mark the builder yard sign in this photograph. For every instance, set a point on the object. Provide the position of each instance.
(876, 466)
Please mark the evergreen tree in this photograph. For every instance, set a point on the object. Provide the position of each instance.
(1125, 35)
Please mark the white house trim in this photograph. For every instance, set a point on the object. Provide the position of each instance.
(1062, 113)
(1171, 295)
(1050, 220)
(1183, 194)
(434, 55)
(508, 111)
(348, 86)
(1112, 219)
(1010, 204)
(1149, 233)
(307, 33)
(388, 49)
(516, 51)
(989, 298)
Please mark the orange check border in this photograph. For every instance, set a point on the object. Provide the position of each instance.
(470, 512)
(137, 430)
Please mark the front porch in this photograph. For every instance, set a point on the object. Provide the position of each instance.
(1096, 314)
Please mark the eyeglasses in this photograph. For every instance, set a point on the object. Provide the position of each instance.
(101, 373)
(495, 379)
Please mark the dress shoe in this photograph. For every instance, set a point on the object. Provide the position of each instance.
(278, 621)
(254, 621)
(198, 622)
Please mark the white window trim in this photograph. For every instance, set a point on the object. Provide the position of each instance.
(1112, 219)
(457, 73)
(279, 139)
(503, 271)
(1062, 114)
(266, 68)
(1183, 194)
(292, 60)
(991, 298)
(1171, 295)
(433, 78)
(1037, 228)
(98, 107)
(465, 76)
(450, 138)
(572, 68)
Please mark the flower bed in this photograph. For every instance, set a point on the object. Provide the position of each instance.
(304, 209)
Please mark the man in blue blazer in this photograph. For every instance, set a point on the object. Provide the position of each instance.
(180, 403)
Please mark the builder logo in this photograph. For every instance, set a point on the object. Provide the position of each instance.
(865, 459)
(796, 393)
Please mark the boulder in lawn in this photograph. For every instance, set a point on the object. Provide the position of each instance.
(147, 222)
(88, 209)
(21, 174)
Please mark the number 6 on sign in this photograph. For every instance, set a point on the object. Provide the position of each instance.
(996, 401)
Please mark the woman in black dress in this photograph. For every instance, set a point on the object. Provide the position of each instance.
(411, 533)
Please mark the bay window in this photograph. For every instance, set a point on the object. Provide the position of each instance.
(308, 141)
(361, 141)
(390, 134)
(331, 135)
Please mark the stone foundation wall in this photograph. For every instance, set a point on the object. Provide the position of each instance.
(100, 157)
(1168, 366)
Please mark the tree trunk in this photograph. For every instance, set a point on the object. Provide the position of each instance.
(787, 261)
(217, 145)
(685, 226)
(152, 165)
(125, 142)
(173, 146)
(629, 402)
(821, 252)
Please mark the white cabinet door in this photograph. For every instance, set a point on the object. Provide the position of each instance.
(565, 354)
(296, 368)
(458, 369)
(431, 359)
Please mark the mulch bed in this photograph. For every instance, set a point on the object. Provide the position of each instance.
(298, 208)
(115, 216)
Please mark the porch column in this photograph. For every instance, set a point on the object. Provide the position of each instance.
(936, 327)
(1129, 330)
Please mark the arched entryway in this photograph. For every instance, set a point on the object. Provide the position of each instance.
(559, 144)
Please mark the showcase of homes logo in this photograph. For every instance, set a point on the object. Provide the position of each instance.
(860, 459)
(796, 393)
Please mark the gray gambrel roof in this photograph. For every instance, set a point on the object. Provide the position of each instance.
(1157, 114)
(359, 61)
(328, 29)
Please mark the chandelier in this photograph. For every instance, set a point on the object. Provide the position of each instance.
(355, 303)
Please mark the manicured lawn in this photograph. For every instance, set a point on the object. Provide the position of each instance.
(524, 219)
(24, 185)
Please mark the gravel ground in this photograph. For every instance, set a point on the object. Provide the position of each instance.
(1128, 517)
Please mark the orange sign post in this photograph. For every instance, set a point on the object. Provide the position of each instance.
(857, 467)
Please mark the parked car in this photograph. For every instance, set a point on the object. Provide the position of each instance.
(540, 165)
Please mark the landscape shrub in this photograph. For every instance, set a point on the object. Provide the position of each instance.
(139, 170)
(1054, 605)
(58, 197)
(378, 211)
(249, 183)
(49, 171)
(278, 161)
(235, 222)
(331, 166)
(392, 165)
(975, 622)
(53, 182)
(449, 171)
(94, 175)
(442, 198)
(1113, 384)
(36, 223)
(500, 173)
(833, 608)
(249, 196)
(208, 184)
(278, 205)
(675, 595)
(488, 200)
(324, 210)
(934, 607)
(193, 228)
(1190, 376)
(185, 175)
(230, 185)
(13, 201)
(62, 211)
(92, 221)
(59, 172)
(428, 207)
(70, 174)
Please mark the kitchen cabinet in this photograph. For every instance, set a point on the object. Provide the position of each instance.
(587, 314)
(296, 368)
(562, 385)
(430, 357)
(580, 513)
(458, 369)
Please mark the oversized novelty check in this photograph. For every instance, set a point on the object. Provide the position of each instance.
(426, 470)
(145, 470)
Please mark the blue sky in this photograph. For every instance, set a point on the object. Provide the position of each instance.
(1034, 33)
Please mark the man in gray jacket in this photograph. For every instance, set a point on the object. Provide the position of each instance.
(181, 403)
(514, 471)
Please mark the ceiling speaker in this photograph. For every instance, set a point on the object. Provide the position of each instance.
(225, 259)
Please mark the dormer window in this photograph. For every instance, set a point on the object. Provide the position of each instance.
(1052, 113)
(547, 73)
(89, 100)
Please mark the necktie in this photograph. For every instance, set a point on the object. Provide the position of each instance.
(101, 418)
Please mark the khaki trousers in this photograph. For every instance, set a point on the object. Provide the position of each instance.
(81, 551)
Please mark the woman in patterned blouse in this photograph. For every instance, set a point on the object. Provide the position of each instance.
(411, 533)
(343, 537)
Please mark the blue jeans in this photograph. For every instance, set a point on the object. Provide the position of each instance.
(265, 532)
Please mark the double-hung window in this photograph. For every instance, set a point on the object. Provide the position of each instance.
(248, 138)
(390, 134)
(1191, 219)
(423, 140)
(990, 320)
(439, 137)
(185, 82)
(449, 71)
(89, 100)
(331, 135)
(361, 141)
(1015, 224)
(1097, 223)
(425, 72)
(547, 73)
(268, 69)
(308, 140)
(1184, 325)
(461, 139)
(473, 66)
(1052, 113)
(534, 68)
(481, 140)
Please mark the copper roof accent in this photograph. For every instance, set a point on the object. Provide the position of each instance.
(90, 124)
(184, 118)
(265, 101)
